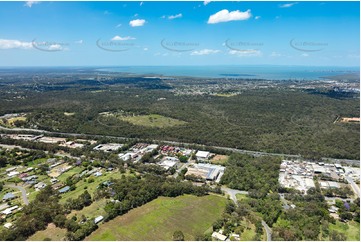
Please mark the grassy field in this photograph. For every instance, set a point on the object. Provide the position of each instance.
(37, 161)
(250, 231)
(72, 171)
(226, 94)
(68, 114)
(52, 232)
(351, 229)
(219, 159)
(94, 210)
(81, 186)
(159, 219)
(153, 120)
(241, 196)
(11, 121)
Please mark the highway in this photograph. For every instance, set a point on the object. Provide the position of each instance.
(249, 152)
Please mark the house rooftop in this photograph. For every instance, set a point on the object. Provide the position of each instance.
(64, 189)
(8, 196)
(202, 154)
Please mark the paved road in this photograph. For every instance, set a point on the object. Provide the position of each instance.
(232, 193)
(354, 186)
(13, 147)
(250, 152)
(179, 169)
(268, 231)
(23, 192)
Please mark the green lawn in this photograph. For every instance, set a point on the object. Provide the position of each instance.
(72, 171)
(241, 196)
(152, 120)
(350, 229)
(157, 220)
(90, 187)
(94, 210)
(37, 161)
(248, 234)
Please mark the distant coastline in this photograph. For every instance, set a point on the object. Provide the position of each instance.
(265, 72)
(245, 72)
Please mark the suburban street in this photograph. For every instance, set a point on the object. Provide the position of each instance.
(354, 186)
(268, 231)
(23, 192)
(232, 193)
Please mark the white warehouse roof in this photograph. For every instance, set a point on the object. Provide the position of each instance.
(202, 154)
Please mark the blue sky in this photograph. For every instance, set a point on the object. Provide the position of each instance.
(179, 33)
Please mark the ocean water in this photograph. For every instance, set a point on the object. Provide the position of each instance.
(252, 72)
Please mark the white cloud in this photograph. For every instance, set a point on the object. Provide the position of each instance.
(179, 15)
(305, 55)
(275, 54)
(204, 52)
(287, 5)
(226, 16)
(145, 49)
(257, 17)
(79, 42)
(117, 37)
(118, 25)
(14, 44)
(30, 3)
(206, 2)
(136, 15)
(245, 53)
(137, 22)
(55, 47)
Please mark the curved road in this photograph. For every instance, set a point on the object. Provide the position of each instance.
(23, 192)
(232, 193)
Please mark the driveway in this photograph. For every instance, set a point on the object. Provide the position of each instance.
(23, 192)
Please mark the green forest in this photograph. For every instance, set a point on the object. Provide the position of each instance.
(277, 120)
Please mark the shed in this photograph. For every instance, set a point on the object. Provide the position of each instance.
(98, 173)
(219, 236)
(64, 189)
(8, 225)
(98, 219)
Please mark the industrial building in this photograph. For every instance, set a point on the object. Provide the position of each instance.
(207, 172)
(202, 155)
